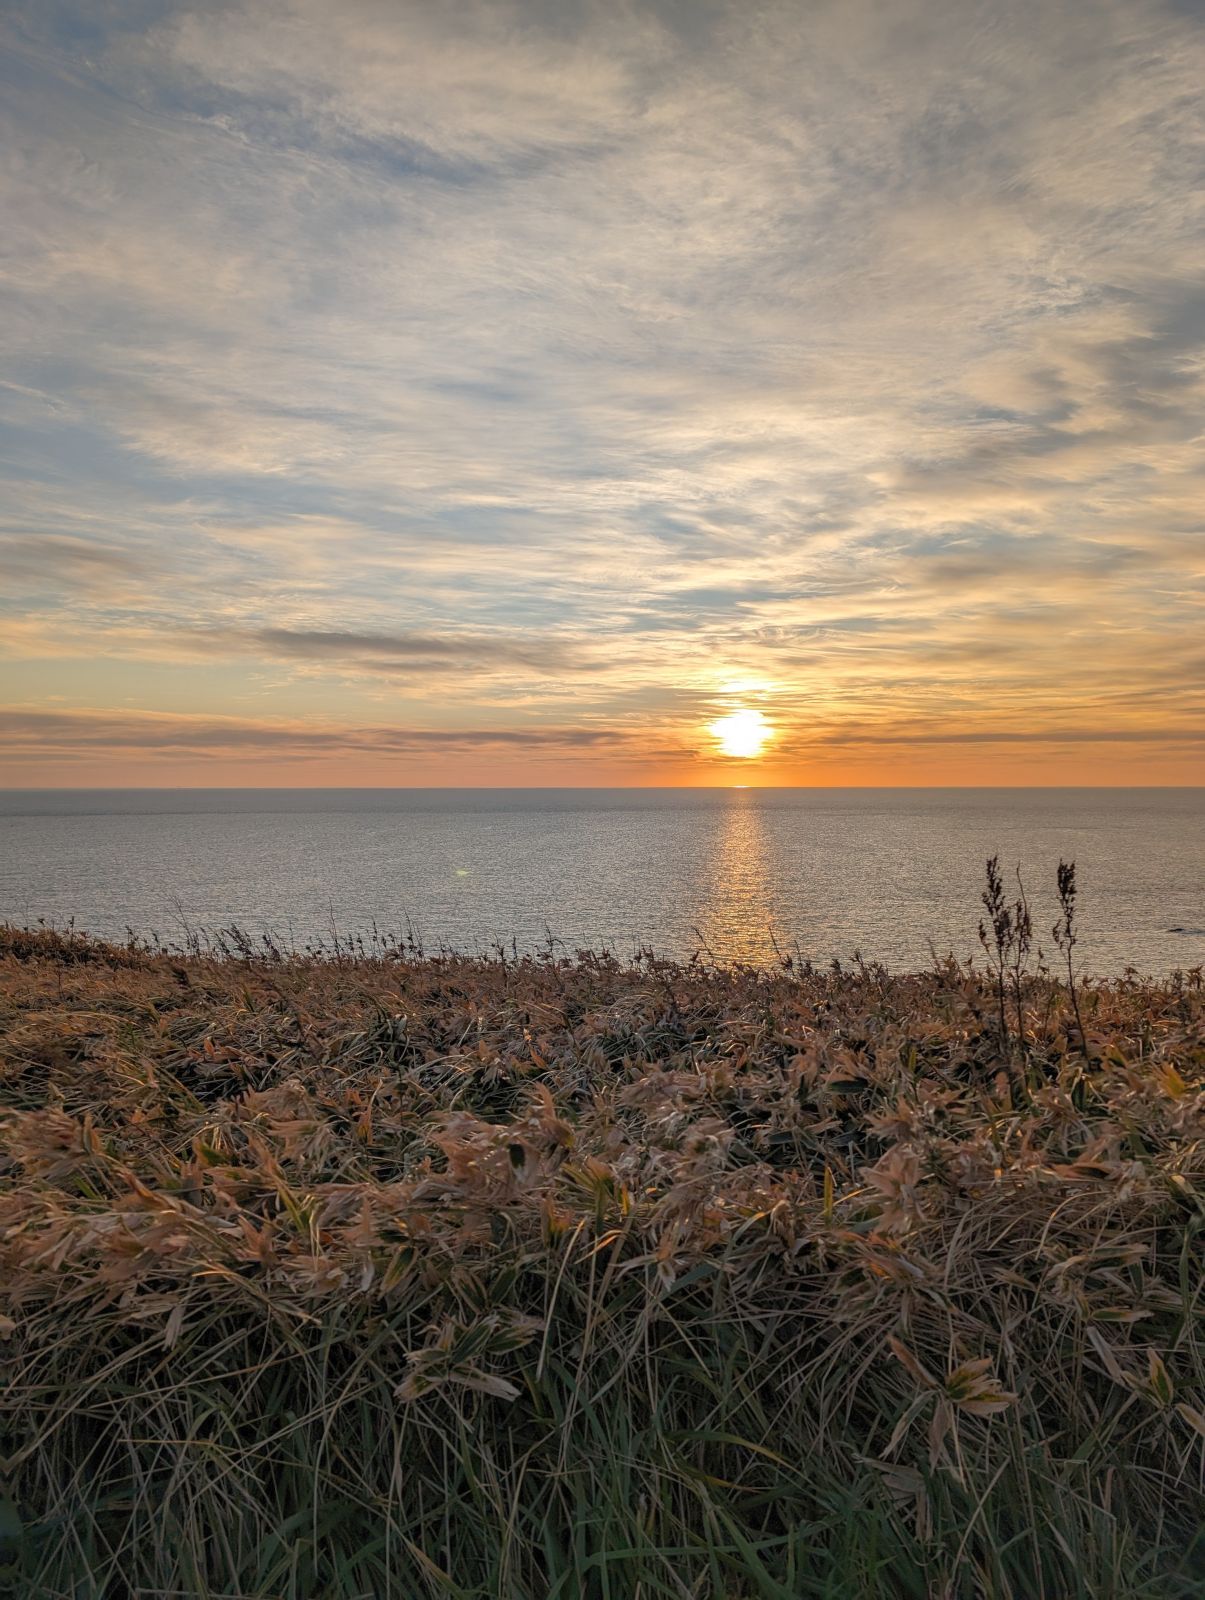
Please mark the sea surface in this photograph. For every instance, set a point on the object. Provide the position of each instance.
(739, 873)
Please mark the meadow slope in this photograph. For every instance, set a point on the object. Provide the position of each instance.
(388, 1274)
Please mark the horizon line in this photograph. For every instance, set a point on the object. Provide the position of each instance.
(556, 788)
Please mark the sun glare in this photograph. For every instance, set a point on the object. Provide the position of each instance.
(741, 733)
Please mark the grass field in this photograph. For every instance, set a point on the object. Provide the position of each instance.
(384, 1274)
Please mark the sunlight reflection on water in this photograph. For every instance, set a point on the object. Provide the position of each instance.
(739, 911)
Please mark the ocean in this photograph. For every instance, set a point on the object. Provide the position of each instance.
(741, 874)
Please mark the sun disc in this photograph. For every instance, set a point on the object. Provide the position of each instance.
(741, 733)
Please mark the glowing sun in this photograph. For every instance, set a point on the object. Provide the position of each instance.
(741, 733)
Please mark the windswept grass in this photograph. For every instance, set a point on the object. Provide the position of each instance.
(437, 1277)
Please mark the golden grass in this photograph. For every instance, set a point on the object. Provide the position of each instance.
(458, 1277)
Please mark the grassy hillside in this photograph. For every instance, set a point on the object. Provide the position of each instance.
(449, 1277)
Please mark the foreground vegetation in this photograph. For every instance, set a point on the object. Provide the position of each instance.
(378, 1274)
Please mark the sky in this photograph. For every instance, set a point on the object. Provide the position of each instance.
(424, 392)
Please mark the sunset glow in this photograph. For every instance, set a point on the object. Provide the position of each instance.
(438, 394)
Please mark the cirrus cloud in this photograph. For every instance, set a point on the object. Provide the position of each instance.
(462, 361)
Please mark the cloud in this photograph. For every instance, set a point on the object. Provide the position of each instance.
(61, 561)
(409, 648)
(1151, 735)
(575, 359)
(78, 733)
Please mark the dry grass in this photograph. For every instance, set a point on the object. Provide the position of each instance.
(446, 1277)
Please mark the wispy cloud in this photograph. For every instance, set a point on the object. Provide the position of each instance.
(384, 652)
(78, 731)
(486, 361)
